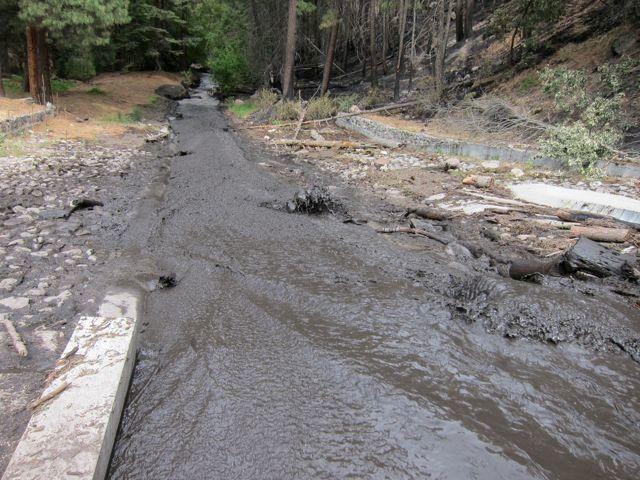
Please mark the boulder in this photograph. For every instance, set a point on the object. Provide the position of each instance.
(172, 92)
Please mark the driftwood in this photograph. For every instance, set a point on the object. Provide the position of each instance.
(322, 143)
(589, 256)
(602, 234)
(428, 213)
(423, 233)
(342, 115)
(16, 338)
(299, 127)
(52, 394)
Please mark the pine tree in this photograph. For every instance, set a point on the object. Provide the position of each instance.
(89, 19)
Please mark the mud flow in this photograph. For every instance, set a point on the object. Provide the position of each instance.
(296, 346)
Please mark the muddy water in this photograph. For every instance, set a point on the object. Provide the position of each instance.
(297, 347)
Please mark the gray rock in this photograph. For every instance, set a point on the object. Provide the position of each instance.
(172, 92)
(15, 303)
(8, 284)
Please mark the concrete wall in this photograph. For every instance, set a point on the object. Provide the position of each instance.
(377, 130)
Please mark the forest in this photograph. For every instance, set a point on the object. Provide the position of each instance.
(435, 52)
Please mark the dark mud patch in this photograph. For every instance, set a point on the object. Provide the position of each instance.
(314, 200)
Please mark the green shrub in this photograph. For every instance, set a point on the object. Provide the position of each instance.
(97, 91)
(265, 98)
(374, 97)
(345, 102)
(60, 85)
(566, 86)
(287, 111)
(319, 108)
(241, 110)
(80, 67)
(579, 147)
(528, 83)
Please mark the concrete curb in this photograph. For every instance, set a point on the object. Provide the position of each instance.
(376, 130)
(14, 125)
(72, 431)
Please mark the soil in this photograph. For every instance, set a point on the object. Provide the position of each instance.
(56, 261)
(11, 108)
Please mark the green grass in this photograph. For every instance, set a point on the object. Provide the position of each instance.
(133, 117)
(529, 82)
(96, 91)
(154, 99)
(243, 110)
(60, 85)
(11, 146)
(13, 85)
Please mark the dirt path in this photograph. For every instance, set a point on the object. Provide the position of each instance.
(297, 346)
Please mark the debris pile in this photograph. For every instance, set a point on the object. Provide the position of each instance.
(314, 200)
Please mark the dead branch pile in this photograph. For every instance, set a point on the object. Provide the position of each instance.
(490, 115)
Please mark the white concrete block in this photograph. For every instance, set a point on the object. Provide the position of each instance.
(71, 435)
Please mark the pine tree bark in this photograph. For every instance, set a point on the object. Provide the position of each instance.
(468, 18)
(372, 42)
(460, 23)
(2, 92)
(444, 22)
(38, 64)
(331, 51)
(290, 52)
(400, 62)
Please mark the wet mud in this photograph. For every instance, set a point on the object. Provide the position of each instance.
(300, 346)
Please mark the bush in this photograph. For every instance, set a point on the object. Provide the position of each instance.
(265, 98)
(374, 97)
(319, 108)
(287, 111)
(579, 147)
(345, 102)
(80, 67)
(567, 87)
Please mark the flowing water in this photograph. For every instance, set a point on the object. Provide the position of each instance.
(297, 347)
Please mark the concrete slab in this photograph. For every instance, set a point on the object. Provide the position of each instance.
(616, 206)
(72, 431)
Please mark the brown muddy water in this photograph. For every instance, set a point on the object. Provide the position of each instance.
(297, 347)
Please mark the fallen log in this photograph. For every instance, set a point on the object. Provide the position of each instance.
(601, 234)
(428, 213)
(342, 115)
(589, 256)
(16, 338)
(322, 143)
(434, 236)
(49, 396)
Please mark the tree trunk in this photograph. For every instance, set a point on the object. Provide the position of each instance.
(413, 45)
(400, 63)
(444, 22)
(290, 52)
(468, 18)
(331, 51)
(372, 42)
(2, 92)
(385, 39)
(460, 33)
(39, 67)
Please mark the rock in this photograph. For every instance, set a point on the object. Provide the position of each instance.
(517, 172)
(354, 109)
(172, 92)
(479, 181)
(452, 164)
(491, 165)
(8, 284)
(15, 303)
(59, 299)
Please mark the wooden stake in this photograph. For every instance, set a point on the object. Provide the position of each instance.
(16, 339)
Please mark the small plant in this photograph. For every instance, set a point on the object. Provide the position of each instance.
(345, 102)
(287, 111)
(97, 91)
(241, 110)
(374, 97)
(265, 98)
(320, 108)
(528, 83)
(60, 85)
(134, 116)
